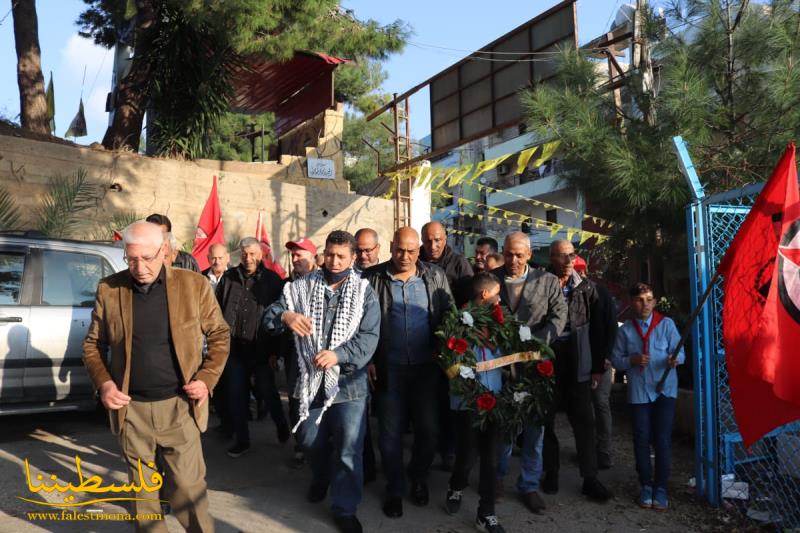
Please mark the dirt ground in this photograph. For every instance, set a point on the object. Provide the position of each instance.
(259, 492)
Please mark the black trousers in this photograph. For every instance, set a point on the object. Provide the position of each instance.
(471, 444)
(576, 399)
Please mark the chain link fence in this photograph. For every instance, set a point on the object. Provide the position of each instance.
(763, 483)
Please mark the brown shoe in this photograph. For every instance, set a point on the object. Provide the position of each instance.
(499, 490)
(533, 502)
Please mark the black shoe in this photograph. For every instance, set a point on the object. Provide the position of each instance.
(393, 507)
(298, 461)
(489, 524)
(550, 482)
(347, 524)
(238, 449)
(595, 490)
(317, 492)
(419, 494)
(453, 501)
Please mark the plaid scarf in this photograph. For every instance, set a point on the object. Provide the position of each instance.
(306, 296)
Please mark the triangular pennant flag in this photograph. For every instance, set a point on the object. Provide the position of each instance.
(555, 228)
(571, 233)
(601, 239)
(548, 149)
(77, 128)
(524, 157)
(487, 165)
(50, 96)
(585, 236)
(460, 173)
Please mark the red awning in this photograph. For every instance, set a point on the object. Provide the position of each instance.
(295, 90)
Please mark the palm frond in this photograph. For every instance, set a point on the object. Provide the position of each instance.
(9, 212)
(67, 197)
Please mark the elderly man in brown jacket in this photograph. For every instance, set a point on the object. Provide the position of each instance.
(151, 319)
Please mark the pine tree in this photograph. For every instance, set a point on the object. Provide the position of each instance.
(734, 100)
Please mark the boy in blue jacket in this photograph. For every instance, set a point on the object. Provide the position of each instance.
(643, 348)
(471, 441)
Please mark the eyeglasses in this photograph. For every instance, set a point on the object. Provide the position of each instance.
(567, 257)
(137, 260)
(366, 250)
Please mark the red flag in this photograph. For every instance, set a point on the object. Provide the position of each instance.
(210, 229)
(760, 322)
(268, 260)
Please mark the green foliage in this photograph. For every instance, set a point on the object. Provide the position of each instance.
(226, 143)
(523, 400)
(737, 121)
(9, 212)
(194, 47)
(361, 161)
(63, 204)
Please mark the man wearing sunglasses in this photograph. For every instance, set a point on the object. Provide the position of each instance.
(581, 351)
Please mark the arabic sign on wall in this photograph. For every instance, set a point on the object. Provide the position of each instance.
(321, 168)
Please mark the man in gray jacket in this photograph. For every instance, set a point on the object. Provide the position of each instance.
(581, 351)
(534, 296)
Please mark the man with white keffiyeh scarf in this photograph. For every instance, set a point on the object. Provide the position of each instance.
(335, 319)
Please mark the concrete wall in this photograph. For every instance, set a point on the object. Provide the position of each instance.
(127, 182)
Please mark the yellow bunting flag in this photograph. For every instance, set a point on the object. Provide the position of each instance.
(548, 149)
(585, 236)
(456, 177)
(571, 233)
(524, 157)
(487, 165)
(555, 228)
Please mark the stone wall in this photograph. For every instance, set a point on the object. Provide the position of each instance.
(293, 204)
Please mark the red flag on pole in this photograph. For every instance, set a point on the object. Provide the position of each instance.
(268, 260)
(210, 229)
(760, 318)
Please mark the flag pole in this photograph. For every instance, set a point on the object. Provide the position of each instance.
(687, 331)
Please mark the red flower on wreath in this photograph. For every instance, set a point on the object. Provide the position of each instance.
(497, 314)
(486, 401)
(457, 345)
(546, 368)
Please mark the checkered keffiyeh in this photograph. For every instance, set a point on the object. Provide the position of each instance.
(306, 296)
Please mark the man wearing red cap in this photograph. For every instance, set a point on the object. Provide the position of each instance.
(304, 254)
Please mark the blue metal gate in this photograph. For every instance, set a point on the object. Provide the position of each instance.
(763, 482)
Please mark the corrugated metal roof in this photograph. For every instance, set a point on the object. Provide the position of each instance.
(294, 90)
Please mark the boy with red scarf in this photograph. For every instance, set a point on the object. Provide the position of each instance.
(643, 348)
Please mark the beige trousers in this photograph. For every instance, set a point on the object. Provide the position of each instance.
(168, 425)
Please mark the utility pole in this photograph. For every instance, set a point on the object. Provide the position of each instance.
(642, 62)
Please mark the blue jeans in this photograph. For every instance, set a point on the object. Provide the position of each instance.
(530, 459)
(334, 451)
(410, 390)
(652, 424)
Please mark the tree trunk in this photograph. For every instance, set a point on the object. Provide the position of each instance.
(32, 102)
(131, 92)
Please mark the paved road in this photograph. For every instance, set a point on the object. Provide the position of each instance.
(259, 492)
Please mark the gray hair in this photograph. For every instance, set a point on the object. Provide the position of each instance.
(247, 242)
(143, 232)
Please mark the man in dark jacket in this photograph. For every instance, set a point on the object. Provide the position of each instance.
(581, 351)
(243, 294)
(457, 268)
(535, 299)
(183, 259)
(414, 298)
(459, 276)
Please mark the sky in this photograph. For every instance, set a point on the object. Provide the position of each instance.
(462, 25)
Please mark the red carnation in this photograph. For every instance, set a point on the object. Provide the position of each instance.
(486, 401)
(457, 345)
(545, 368)
(497, 314)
